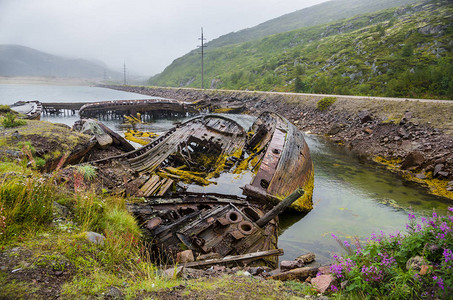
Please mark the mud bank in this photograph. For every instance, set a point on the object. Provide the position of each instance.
(411, 136)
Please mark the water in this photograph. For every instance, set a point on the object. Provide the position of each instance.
(351, 198)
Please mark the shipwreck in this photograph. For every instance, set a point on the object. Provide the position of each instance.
(184, 176)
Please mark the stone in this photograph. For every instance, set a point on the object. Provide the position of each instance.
(307, 258)
(443, 174)
(174, 273)
(95, 238)
(420, 176)
(322, 282)
(407, 146)
(396, 138)
(61, 210)
(415, 263)
(324, 270)
(437, 169)
(256, 270)
(368, 130)
(114, 293)
(425, 269)
(287, 265)
(413, 159)
(191, 273)
(336, 128)
(364, 116)
(185, 256)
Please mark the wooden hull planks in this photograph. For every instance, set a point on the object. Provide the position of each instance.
(132, 107)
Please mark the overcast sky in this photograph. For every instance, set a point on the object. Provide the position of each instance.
(145, 34)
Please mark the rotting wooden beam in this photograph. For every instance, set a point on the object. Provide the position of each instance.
(234, 258)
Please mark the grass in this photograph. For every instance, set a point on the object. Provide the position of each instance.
(10, 121)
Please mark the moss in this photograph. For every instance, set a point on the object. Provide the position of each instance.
(325, 103)
(305, 203)
(223, 110)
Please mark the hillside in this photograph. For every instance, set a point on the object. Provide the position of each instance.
(394, 52)
(315, 15)
(18, 60)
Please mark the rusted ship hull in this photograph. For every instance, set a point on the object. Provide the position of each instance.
(196, 153)
(132, 107)
(31, 109)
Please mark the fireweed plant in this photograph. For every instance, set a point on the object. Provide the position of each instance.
(381, 267)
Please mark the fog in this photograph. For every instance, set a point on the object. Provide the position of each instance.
(147, 35)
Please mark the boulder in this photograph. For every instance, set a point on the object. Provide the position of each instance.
(287, 265)
(437, 169)
(307, 258)
(185, 257)
(174, 273)
(413, 159)
(322, 282)
(365, 116)
(336, 128)
(415, 263)
(95, 238)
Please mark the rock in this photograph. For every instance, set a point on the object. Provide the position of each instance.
(396, 138)
(287, 265)
(424, 269)
(437, 169)
(322, 282)
(415, 263)
(114, 293)
(324, 270)
(190, 273)
(420, 176)
(368, 130)
(336, 128)
(95, 238)
(443, 174)
(364, 116)
(299, 274)
(174, 273)
(307, 258)
(407, 146)
(256, 270)
(185, 257)
(413, 159)
(61, 210)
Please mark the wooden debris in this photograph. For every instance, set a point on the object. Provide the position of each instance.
(234, 258)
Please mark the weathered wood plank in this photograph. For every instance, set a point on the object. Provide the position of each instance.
(234, 258)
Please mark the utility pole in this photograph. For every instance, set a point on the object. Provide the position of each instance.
(202, 58)
(124, 74)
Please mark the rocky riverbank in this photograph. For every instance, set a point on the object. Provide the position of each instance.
(412, 137)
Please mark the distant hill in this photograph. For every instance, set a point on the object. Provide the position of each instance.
(18, 60)
(405, 51)
(315, 15)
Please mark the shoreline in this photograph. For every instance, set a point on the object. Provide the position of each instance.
(40, 80)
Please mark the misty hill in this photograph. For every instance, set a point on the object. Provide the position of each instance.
(402, 51)
(18, 60)
(315, 15)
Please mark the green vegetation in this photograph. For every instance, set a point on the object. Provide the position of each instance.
(325, 103)
(10, 120)
(402, 52)
(418, 265)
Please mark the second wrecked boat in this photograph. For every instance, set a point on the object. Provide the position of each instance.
(272, 154)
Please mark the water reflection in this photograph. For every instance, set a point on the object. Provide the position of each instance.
(350, 198)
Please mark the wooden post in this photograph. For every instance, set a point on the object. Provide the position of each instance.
(279, 208)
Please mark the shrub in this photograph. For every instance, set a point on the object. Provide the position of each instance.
(378, 268)
(325, 103)
(10, 121)
(4, 109)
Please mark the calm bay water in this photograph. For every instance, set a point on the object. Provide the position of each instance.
(350, 198)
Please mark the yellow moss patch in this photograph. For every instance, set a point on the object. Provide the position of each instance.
(305, 203)
(188, 176)
(391, 164)
(223, 110)
(139, 137)
(436, 186)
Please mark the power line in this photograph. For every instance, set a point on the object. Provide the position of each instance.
(124, 73)
(202, 58)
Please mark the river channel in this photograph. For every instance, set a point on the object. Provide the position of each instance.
(351, 198)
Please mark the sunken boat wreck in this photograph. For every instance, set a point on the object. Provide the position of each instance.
(190, 204)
